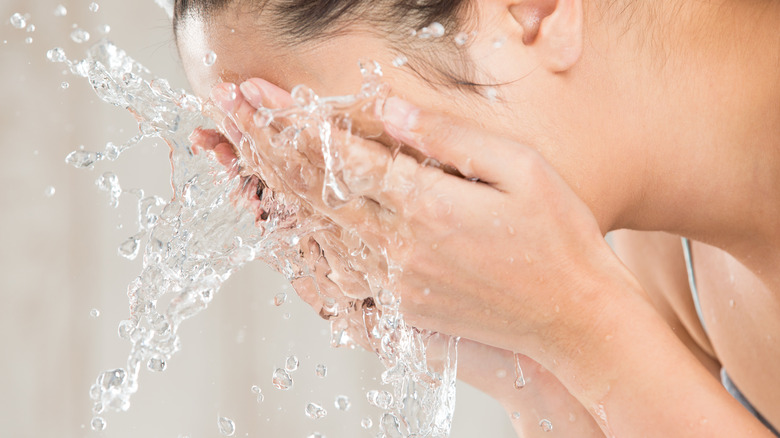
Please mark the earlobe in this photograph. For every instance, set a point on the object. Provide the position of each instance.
(553, 29)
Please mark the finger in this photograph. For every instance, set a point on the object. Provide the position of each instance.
(260, 93)
(205, 139)
(473, 152)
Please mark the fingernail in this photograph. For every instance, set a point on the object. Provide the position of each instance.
(401, 116)
(196, 136)
(251, 93)
(224, 95)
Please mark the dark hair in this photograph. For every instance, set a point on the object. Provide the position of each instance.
(440, 61)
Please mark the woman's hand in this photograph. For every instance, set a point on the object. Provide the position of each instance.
(504, 253)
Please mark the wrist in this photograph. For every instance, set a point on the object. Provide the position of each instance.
(584, 345)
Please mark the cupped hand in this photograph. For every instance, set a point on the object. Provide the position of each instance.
(501, 251)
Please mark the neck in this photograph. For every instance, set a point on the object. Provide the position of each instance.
(707, 123)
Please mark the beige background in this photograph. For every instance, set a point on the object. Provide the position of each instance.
(58, 261)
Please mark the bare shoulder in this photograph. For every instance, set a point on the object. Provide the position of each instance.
(657, 261)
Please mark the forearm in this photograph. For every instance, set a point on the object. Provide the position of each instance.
(637, 379)
(491, 370)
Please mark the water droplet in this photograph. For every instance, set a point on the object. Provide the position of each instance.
(83, 159)
(280, 299)
(291, 364)
(28, 40)
(436, 29)
(492, 94)
(400, 61)
(315, 411)
(281, 379)
(156, 365)
(304, 96)
(263, 117)
(380, 399)
(385, 297)
(129, 248)
(259, 393)
(287, 316)
(49, 191)
(60, 11)
(732, 303)
(65, 85)
(18, 21)
(104, 29)
(79, 35)
(109, 182)
(321, 371)
(94, 313)
(366, 423)
(519, 378)
(342, 403)
(31, 28)
(94, 7)
(98, 424)
(226, 426)
(316, 435)
(515, 415)
(546, 425)
(56, 55)
(210, 58)
(499, 42)
(98, 408)
(461, 38)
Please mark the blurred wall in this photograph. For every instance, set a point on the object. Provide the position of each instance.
(58, 261)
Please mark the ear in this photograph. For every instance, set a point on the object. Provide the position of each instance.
(553, 29)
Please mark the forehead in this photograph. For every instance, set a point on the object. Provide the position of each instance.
(244, 50)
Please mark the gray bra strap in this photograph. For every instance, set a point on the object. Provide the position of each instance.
(686, 244)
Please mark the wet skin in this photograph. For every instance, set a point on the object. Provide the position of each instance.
(592, 175)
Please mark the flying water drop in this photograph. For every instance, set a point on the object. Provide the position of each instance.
(280, 299)
(129, 248)
(79, 35)
(366, 423)
(98, 424)
(315, 411)
(259, 393)
(94, 313)
(156, 365)
(60, 11)
(49, 191)
(342, 403)
(94, 7)
(18, 21)
(56, 55)
(226, 426)
(321, 371)
(281, 379)
(546, 425)
(291, 364)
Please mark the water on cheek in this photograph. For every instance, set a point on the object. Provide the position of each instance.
(191, 244)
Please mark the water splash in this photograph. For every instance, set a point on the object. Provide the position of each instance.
(193, 243)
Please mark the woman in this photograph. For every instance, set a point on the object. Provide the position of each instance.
(578, 118)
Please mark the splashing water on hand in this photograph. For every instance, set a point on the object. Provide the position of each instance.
(206, 232)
